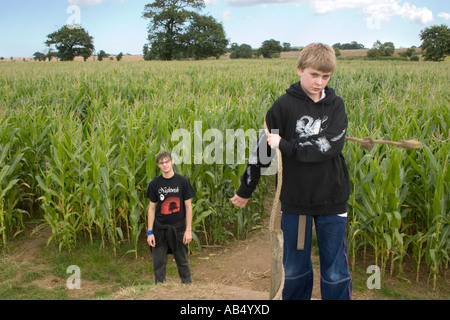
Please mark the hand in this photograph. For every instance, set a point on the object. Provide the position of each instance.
(187, 237)
(151, 240)
(273, 140)
(238, 201)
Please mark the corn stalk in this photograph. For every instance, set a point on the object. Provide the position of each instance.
(118, 116)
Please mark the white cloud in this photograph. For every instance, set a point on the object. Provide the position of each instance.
(418, 15)
(326, 6)
(444, 15)
(245, 3)
(85, 2)
(374, 11)
(226, 15)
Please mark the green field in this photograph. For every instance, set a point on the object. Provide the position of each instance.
(78, 143)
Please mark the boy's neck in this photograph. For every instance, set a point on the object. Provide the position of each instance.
(168, 175)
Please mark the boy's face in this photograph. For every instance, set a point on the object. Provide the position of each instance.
(313, 81)
(165, 164)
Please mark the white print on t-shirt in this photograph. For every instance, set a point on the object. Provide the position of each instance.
(163, 191)
(166, 190)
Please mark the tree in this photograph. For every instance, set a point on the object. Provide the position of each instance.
(379, 49)
(102, 54)
(148, 55)
(409, 53)
(435, 42)
(50, 54)
(337, 52)
(39, 56)
(388, 49)
(145, 49)
(119, 56)
(167, 19)
(205, 38)
(348, 46)
(71, 42)
(243, 51)
(271, 49)
(86, 55)
(286, 46)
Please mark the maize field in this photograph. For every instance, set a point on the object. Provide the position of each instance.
(78, 142)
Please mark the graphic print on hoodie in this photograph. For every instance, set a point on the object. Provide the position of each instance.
(307, 126)
(315, 176)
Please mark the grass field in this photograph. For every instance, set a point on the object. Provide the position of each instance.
(78, 142)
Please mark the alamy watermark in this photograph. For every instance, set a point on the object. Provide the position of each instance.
(374, 280)
(74, 20)
(214, 146)
(73, 281)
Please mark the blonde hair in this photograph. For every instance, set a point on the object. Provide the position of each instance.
(317, 56)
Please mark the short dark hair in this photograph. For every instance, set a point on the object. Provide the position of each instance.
(163, 155)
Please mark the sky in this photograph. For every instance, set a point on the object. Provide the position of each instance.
(118, 26)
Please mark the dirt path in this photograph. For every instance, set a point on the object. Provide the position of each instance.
(238, 271)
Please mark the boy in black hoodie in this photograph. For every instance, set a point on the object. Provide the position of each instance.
(311, 121)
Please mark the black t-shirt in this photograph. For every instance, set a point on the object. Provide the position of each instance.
(169, 196)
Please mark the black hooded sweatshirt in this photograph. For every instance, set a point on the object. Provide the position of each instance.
(315, 175)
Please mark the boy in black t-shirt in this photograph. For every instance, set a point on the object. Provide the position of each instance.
(169, 219)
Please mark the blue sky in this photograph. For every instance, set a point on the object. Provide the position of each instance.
(118, 26)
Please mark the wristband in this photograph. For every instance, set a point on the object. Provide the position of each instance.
(149, 232)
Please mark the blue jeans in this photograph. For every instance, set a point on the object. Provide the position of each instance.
(335, 279)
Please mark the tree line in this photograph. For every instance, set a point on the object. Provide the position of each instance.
(178, 30)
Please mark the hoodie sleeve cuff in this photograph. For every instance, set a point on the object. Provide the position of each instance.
(284, 147)
(244, 191)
